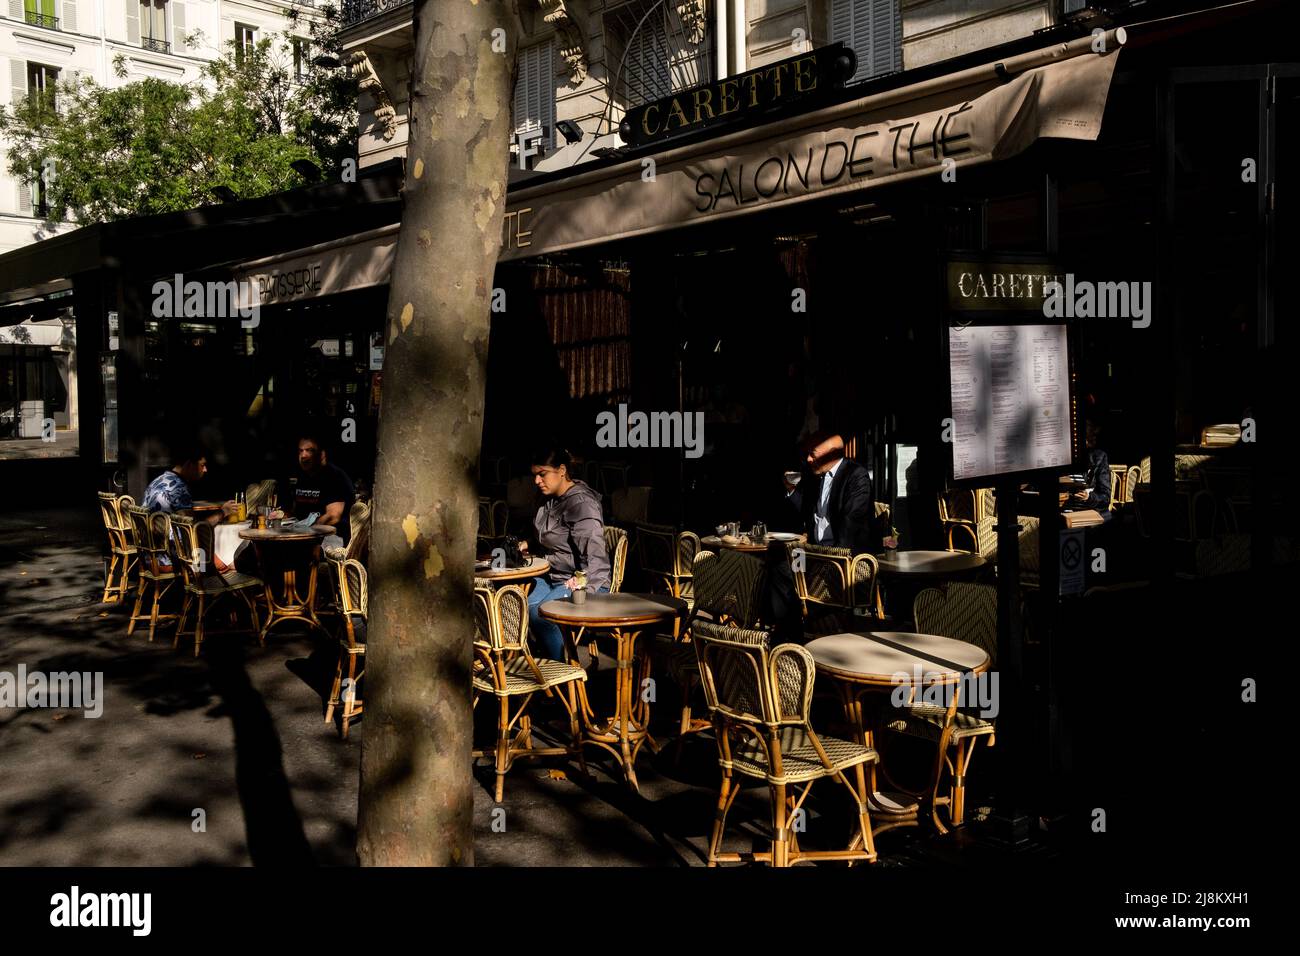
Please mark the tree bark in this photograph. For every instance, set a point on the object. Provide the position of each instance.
(416, 802)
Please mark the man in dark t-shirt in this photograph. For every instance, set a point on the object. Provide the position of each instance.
(321, 488)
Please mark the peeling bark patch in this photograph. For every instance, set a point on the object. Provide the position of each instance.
(424, 239)
(412, 529)
(460, 98)
(419, 168)
(433, 563)
(408, 313)
(480, 289)
(483, 213)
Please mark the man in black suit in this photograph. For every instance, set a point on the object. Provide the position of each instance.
(834, 498)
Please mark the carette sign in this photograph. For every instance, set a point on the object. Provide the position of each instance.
(797, 79)
(842, 148)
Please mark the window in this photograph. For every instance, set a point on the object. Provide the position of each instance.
(40, 13)
(245, 41)
(301, 59)
(42, 81)
(535, 91)
(153, 25)
(874, 29)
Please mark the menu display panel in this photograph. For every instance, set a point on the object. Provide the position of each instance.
(1010, 392)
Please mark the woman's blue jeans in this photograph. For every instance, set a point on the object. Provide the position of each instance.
(550, 640)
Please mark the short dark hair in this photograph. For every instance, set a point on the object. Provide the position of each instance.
(188, 449)
(314, 437)
(551, 456)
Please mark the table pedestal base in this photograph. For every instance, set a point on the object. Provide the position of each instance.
(626, 732)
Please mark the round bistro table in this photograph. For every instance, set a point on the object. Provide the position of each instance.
(296, 545)
(713, 542)
(913, 570)
(535, 568)
(621, 617)
(865, 662)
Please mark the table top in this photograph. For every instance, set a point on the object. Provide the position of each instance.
(744, 544)
(206, 505)
(890, 658)
(929, 562)
(283, 534)
(532, 569)
(615, 610)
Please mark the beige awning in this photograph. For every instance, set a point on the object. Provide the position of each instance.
(355, 262)
(944, 124)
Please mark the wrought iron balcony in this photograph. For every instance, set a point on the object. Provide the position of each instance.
(158, 46)
(356, 11)
(41, 20)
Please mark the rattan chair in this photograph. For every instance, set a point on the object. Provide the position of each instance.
(258, 494)
(729, 587)
(616, 546)
(121, 550)
(204, 586)
(839, 581)
(666, 556)
(504, 668)
(953, 508)
(760, 701)
(152, 532)
(352, 597)
(964, 612)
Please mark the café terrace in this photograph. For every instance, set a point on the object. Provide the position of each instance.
(920, 220)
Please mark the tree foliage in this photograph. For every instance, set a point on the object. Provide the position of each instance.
(154, 146)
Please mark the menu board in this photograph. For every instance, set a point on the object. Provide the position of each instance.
(1010, 399)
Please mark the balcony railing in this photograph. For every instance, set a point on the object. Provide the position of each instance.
(41, 20)
(355, 11)
(158, 46)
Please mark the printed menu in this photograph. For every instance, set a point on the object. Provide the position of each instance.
(1010, 399)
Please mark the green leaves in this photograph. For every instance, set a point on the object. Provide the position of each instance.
(154, 146)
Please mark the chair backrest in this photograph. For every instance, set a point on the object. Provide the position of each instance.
(108, 512)
(193, 547)
(730, 583)
(616, 546)
(152, 529)
(258, 494)
(500, 515)
(836, 577)
(359, 522)
(963, 611)
(1119, 490)
(746, 681)
(501, 617)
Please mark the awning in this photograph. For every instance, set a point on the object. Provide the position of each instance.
(927, 129)
(354, 262)
(49, 332)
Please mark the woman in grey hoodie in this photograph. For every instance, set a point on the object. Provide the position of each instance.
(571, 535)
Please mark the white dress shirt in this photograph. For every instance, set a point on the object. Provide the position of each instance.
(821, 523)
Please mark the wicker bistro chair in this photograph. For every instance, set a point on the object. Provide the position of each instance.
(152, 532)
(760, 701)
(965, 612)
(616, 545)
(837, 579)
(729, 587)
(121, 550)
(204, 586)
(504, 668)
(666, 556)
(352, 597)
(258, 494)
(953, 520)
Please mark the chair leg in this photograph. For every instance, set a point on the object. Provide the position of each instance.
(139, 601)
(334, 690)
(780, 838)
(864, 818)
(108, 577)
(180, 622)
(720, 817)
(575, 726)
(350, 698)
(503, 746)
(198, 624)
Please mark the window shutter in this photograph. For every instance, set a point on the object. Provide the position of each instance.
(16, 9)
(546, 91)
(535, 91)
(874, 29)
(133, 22)
(178, 26)
(24, 199)
(884, 43)
(18, 73)
(68, 21)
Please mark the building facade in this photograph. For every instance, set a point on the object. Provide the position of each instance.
(45, 41)
(583, 63)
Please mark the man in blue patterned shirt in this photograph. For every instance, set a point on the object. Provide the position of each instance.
(170, 491)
